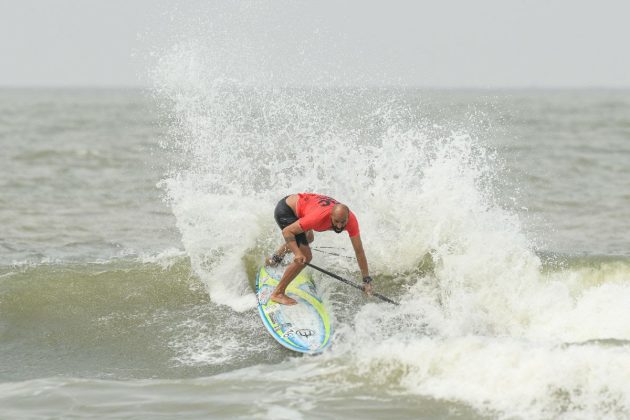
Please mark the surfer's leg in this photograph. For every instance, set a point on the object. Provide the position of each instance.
(284, 216)
(291, 272)
(277, 257)
(284, 249)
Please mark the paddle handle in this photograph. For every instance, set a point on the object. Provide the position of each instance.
(350, 283)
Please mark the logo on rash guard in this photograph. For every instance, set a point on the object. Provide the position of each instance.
(325, 201)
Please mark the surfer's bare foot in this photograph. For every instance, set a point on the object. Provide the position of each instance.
(283, 299)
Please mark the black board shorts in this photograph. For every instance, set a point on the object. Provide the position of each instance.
(284, 217)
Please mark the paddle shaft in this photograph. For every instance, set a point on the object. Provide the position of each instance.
(332, 253)
(350, 283)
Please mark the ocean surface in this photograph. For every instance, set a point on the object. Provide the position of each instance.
(132, 223)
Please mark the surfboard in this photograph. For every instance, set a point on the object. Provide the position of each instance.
(304, 327)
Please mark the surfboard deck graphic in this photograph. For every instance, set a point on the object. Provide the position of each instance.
(304, 327)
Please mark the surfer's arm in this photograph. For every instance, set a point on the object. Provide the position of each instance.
(360, 254)
(289, 234)
(363, 264)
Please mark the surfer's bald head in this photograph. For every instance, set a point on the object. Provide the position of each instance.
(341, 211)
(339, 217)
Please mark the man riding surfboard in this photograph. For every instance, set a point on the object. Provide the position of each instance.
(298, 215)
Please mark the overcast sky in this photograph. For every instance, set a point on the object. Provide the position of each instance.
(482, 43)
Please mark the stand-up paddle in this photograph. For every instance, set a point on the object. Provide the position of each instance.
(350, 283)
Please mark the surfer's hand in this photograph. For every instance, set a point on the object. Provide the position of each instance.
(367, 285)
(300, 259)
(367, 288)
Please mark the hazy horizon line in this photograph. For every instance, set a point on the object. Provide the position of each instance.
(330, 86)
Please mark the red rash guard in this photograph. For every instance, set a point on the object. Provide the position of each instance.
(314, 211)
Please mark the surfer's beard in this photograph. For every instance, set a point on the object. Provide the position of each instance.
(337, 230)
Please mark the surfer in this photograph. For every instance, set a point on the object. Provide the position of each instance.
(298, 215)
